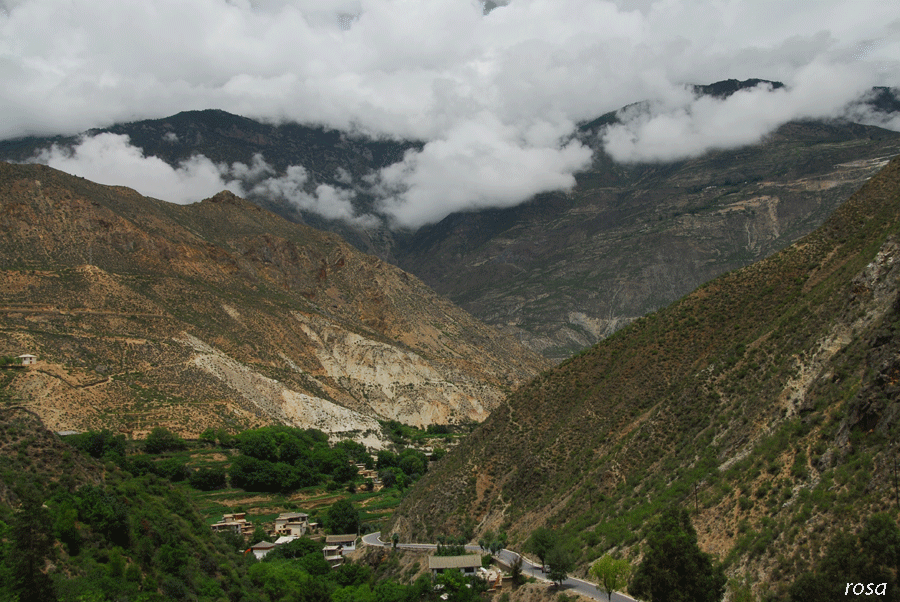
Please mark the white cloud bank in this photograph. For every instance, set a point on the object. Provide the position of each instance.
(491, 95)
(111, 159)
(669, 131)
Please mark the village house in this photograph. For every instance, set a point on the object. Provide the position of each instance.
(346, 542)
(370, 474)
(237, 523)
(261, 549)
(292, 523)
(28, 359)
(467, 564)
(334, 555)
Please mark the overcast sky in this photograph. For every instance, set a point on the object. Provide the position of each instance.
(494, 96)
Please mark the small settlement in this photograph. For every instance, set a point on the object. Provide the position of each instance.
(288, 527)
(292, 525)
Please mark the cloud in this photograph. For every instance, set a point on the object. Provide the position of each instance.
(479, 164)
(865, 113)
(676, 130)
(325, 200)
(441, 71)
(111, 159)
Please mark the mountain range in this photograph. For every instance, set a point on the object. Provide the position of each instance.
(766, 402)
(764, 398)
(562, 270)
(222, 314)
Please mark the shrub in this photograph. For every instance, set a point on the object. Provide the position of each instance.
(161, 440)
(208, 479)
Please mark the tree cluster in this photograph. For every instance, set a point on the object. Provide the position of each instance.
(283, 459)
(674, 569)
(400, 469)
(162, 440)
(556, 554)
(133, 538)
(99, 443)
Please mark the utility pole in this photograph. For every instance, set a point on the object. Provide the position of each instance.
(696, 502)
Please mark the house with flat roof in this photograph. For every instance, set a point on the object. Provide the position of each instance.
(292, 523)
(347, 542)
(28, 359)
(334, 555)
(234, 522)
(467, 564)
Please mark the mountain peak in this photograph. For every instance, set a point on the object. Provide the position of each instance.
(725, 88)
(226, 197)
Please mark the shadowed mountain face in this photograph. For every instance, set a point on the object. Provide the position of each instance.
(223, 314)
(565, 270)
(766, 402)
(562, 271)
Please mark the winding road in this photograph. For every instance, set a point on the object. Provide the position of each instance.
(573, 585)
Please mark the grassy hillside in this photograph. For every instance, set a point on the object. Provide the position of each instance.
(765, 402)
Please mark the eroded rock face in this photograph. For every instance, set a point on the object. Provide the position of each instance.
(399, 384)
(223, 314)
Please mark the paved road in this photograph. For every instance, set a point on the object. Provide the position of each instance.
(573, 585)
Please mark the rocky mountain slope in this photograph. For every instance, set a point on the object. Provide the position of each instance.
(562, 271)
(328, 156)
(766, 402)
(565, 270)
(223, 314)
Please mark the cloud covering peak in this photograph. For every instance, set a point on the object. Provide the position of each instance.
(494, 95)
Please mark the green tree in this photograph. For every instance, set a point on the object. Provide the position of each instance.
(541, 541)
(104, 512)
(259, 534)
(674, 569)
(32, 545)
(560, 560)
(413, 463)
(208, 479)
(352, 573)
(516, 572)
(161, 440)
(99, 443)
(342, 518)
(611, 573)
(387, 459)
(879, 544)
(459, 588)
(811, 587)
(297, 548)
(259, 444)
(208, 437)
